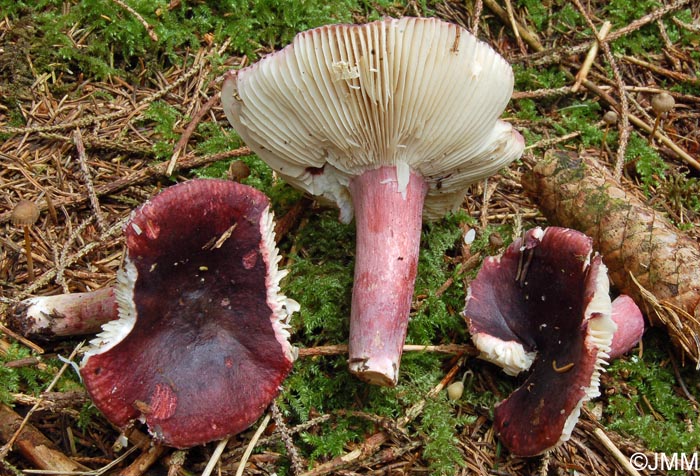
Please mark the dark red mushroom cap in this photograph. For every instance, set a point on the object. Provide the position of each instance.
(201, 346)
(543, 305)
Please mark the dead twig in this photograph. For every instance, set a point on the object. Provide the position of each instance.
(141, 176)
(658, 135)
(32, 444)
(87, 177)
(674, 75)
(108, 117)
(340, 349)
(526, 34)
(18, 430)
(286, 436)
(555, 55)
(615, 452)
(590, 57)
(185, 137)
(623, 124)
(149, 29)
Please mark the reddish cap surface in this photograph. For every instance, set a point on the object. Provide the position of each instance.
(543, 305)
(201, 348)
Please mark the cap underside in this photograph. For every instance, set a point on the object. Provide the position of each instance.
(343, 99)
(551, 297)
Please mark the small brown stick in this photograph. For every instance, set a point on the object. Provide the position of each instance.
(340, 349)
(590, 57)
(687, 26)
(251, 445)
(108, 117)
(87, 177)
(476, 18)
(615, 452)
(92, 142)
(144, 461)
(32, 444)
(685, 156)
(542, 93)
(417, 408)
(18, 431)
(526, 35)
(623, 124)
(489, 190)
(218, 451)
(286, 436)
(287, 221)
(188, 162)
(21, 339)
(547, 143)
(51, 274)
(515, 27)
(185, 137)
(149, 29)
(547, 57)
(669, 44)
(28, 252)
(674, 75)
(63, 255)
(367, 448)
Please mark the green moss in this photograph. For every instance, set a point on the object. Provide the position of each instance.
(321, 280)
(162, 117)
(648, 163)
(115, 42)
(31, 379)
(647, 403)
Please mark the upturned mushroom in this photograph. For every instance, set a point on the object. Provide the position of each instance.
(544, 307)
(391, 121)
(201, 344)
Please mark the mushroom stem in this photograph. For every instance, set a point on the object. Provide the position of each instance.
(630, 325)
(49, 317)
(28, 252)
(388, 222)
(653, 129)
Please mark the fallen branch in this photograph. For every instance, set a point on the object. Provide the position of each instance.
(647, 256)
(33, 445)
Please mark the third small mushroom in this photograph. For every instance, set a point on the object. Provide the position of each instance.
(391, 121)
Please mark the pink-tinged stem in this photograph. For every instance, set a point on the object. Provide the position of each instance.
(630, 325)
(49, 317)
(388, 225)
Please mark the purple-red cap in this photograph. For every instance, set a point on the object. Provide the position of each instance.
(201, 346)
(543, 305)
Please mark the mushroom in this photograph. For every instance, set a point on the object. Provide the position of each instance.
(201, 344)
(238, 171)
(544, 306)
(25, 214)
(661, 104)
(609, 118)
(50, 317)
(630, 325)
(391, 121)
